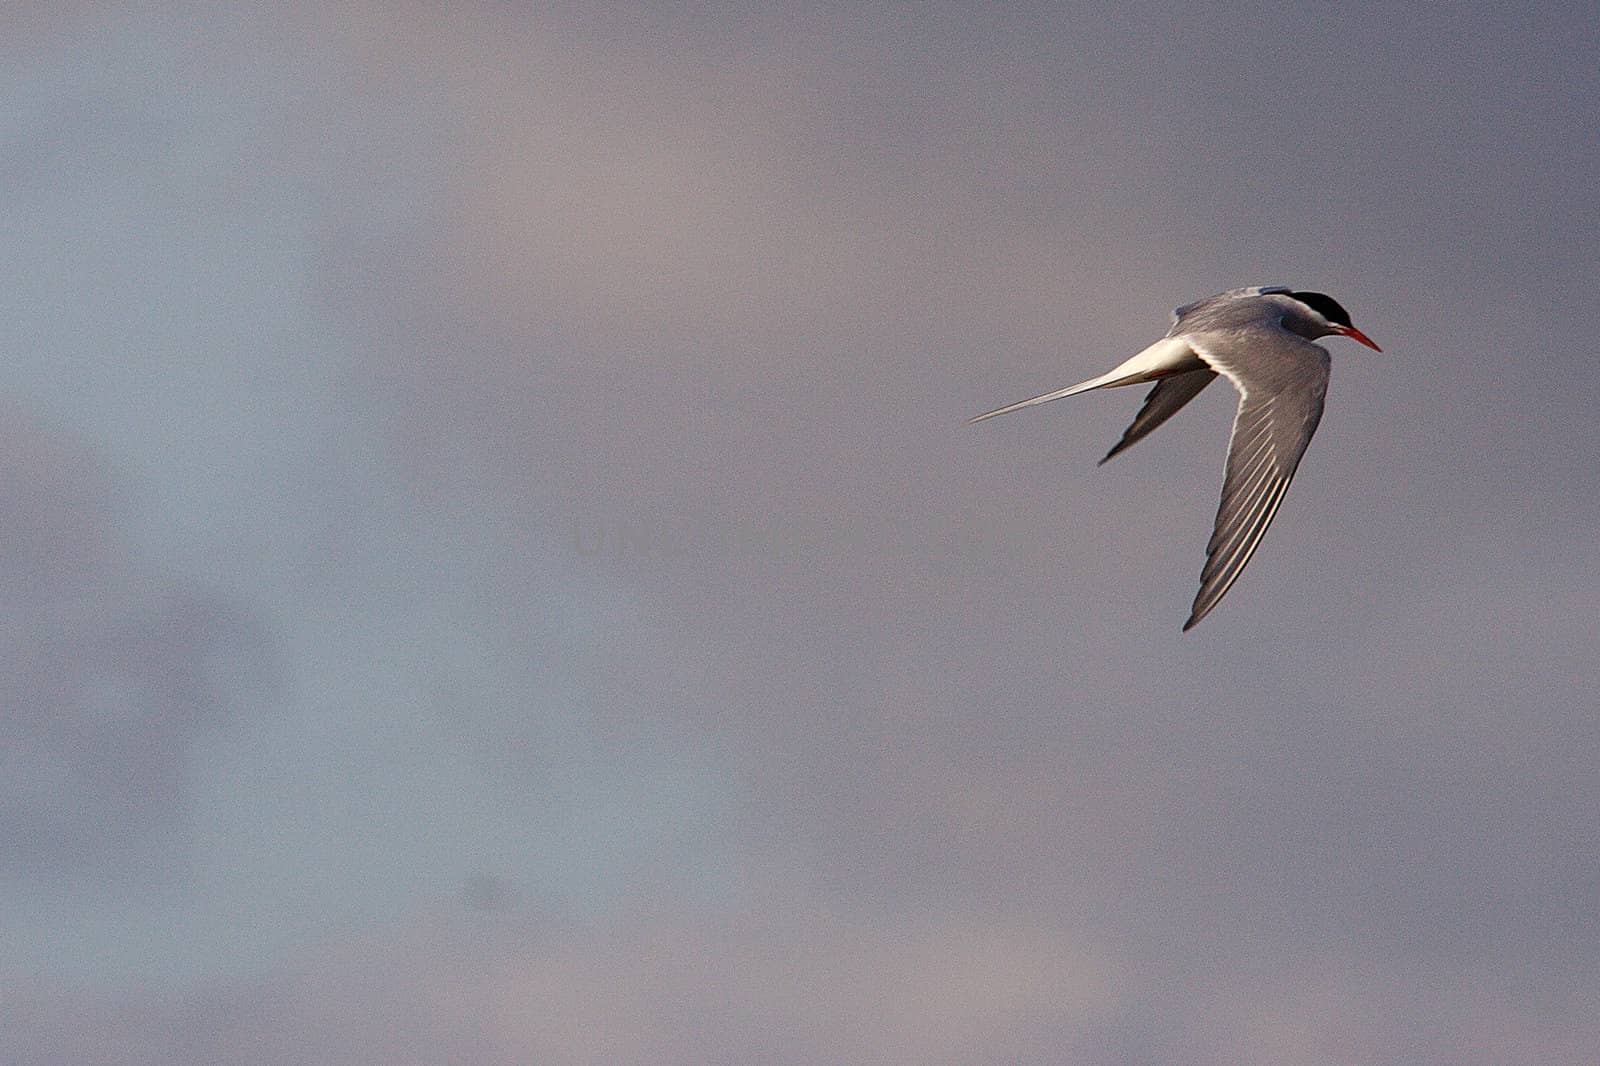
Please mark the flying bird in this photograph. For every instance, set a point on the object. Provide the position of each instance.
(1260, 339)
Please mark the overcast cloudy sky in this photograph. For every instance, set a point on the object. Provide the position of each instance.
(492, 569)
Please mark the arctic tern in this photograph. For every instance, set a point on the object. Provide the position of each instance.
(1260, 339)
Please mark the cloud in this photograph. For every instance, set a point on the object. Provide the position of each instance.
(796, 981)
(785, 985)
(116, 670)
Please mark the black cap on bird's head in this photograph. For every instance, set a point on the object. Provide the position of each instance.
(1324, 305)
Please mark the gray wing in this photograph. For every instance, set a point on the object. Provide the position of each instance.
(1208, 313)
(1282, 380)
(1164, 401)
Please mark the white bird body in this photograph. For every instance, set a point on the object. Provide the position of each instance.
(1260, 339)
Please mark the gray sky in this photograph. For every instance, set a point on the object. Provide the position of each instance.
(494, 571)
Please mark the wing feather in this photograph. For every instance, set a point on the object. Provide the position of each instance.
(1282, 381)
(1164, 401)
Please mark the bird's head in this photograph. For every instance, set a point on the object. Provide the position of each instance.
(1319, 314)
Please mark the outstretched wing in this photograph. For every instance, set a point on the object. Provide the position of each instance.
(1282, 380)
(1164, 401)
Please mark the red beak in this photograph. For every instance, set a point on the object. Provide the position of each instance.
(1356, 335)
